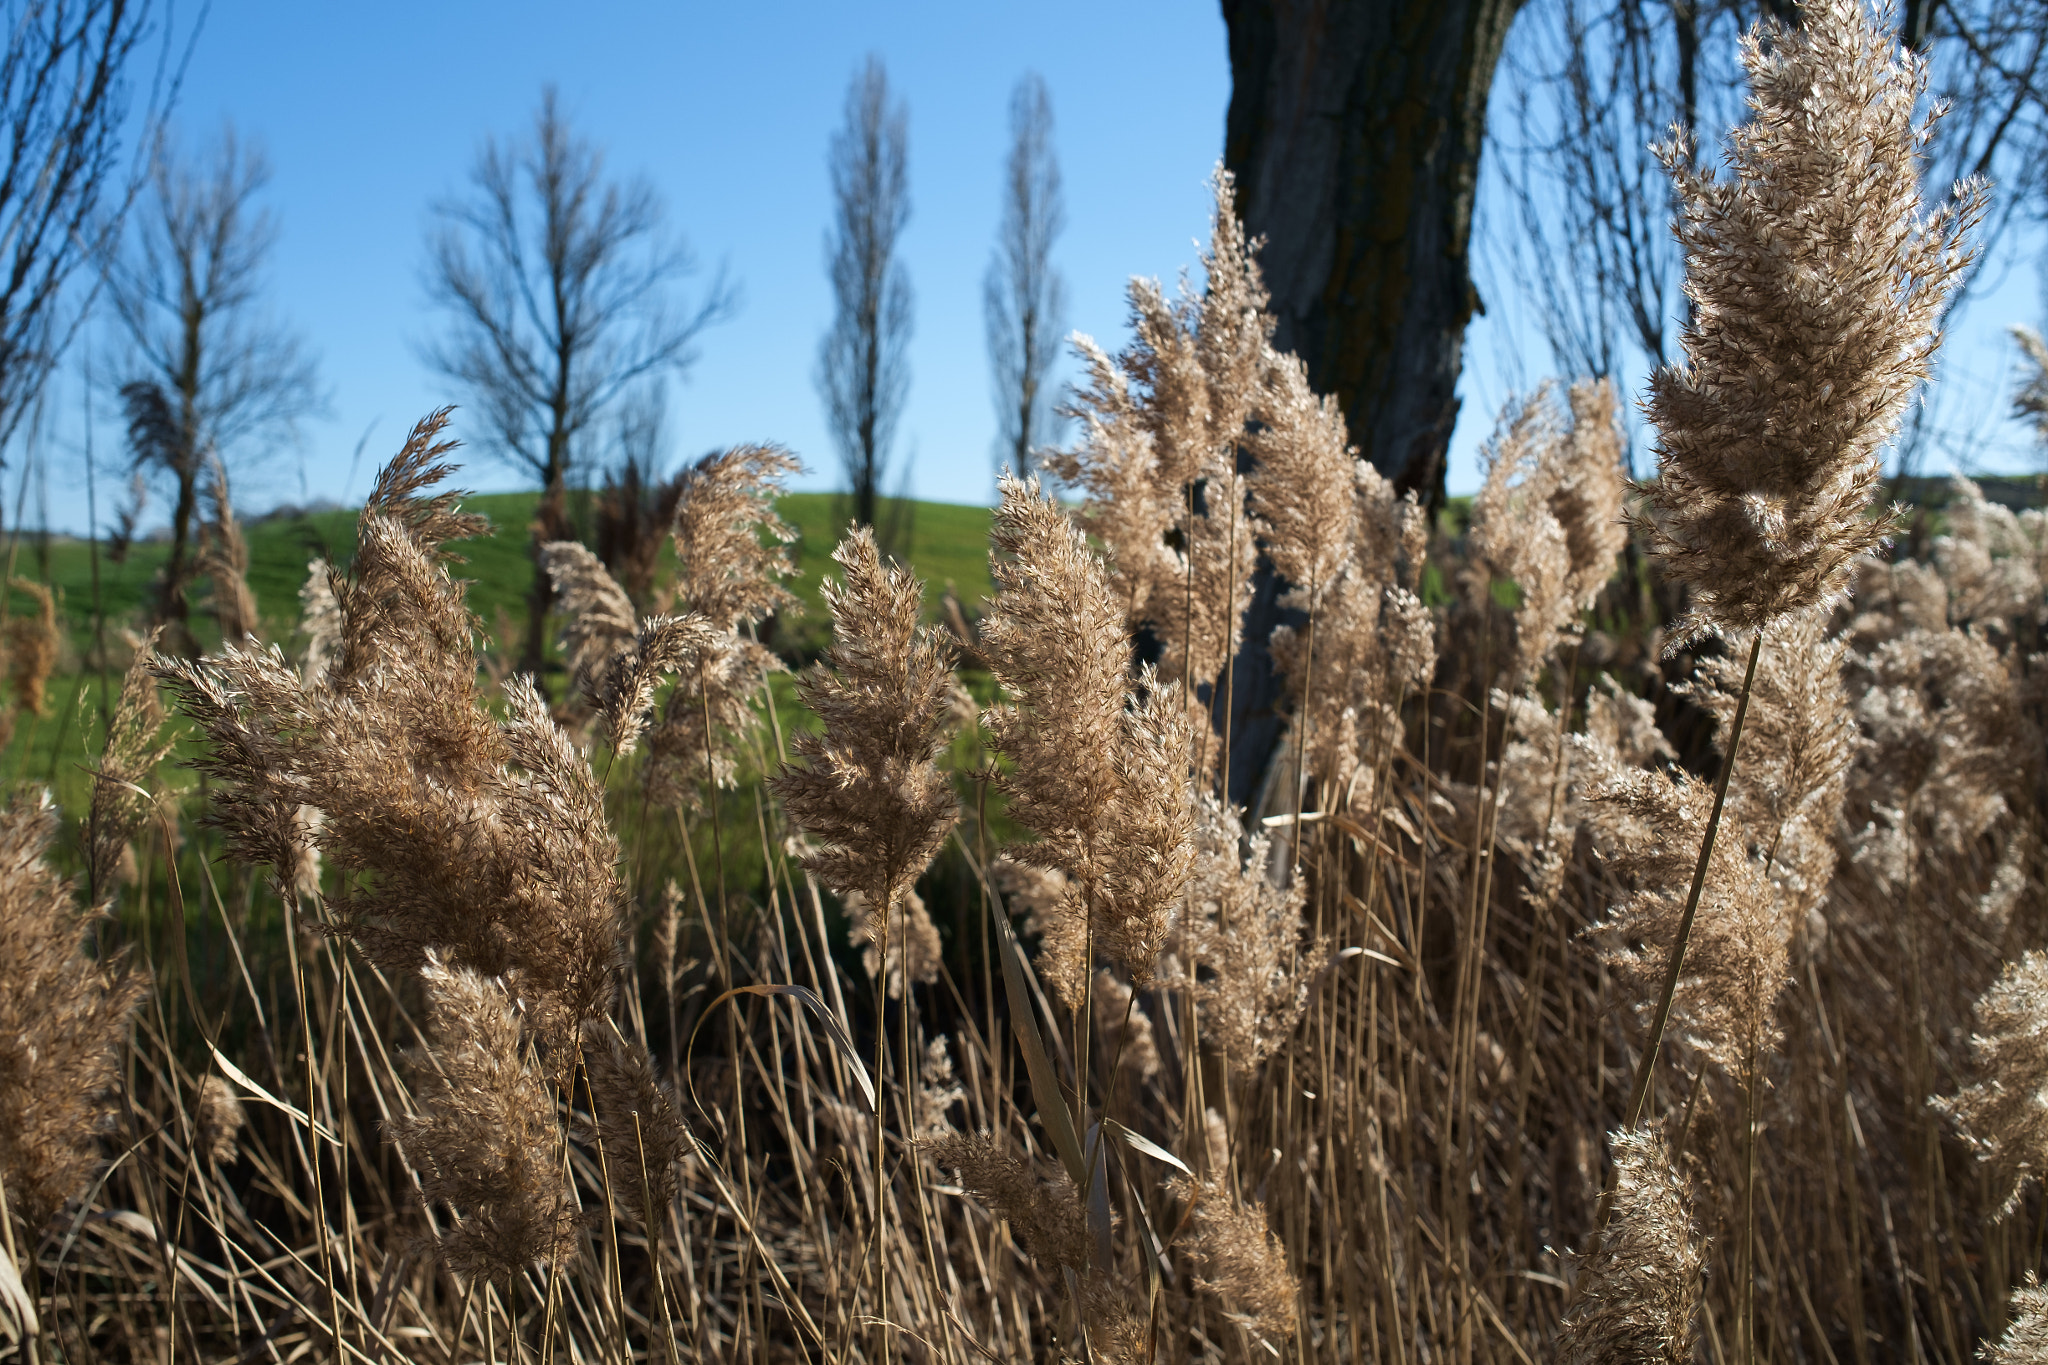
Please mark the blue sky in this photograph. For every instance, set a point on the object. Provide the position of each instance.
(370, 112)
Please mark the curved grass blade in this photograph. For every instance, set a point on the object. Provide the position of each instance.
(841, 1039)
(1045, 1086)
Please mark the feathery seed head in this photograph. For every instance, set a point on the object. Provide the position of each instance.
(1817, 282)
(483, 1136)
(1302, 484)
(635, 1124)
(870, 792)
(1161, 425)
(616, 660)
(727, 577)
(134, 747)
(1243, 1262)
(481, 840)
(33, 643)
(723, 571)
(1640, 1296)
(1587, 498)
(600, 616)
(2004, 1116)
(1241, 943)
(2026, 1335)
(319, 621)
(224, 558)
(218, 1121)
(63, 1022)
(1100, 770)
(904, 947)
(1045, 1215)
(1518, 528)
(1649, 826)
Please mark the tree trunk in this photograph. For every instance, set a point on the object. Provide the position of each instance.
(174, 607)
(1354, 133)
(550, 522)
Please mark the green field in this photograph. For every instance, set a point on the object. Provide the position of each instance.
(948, 545)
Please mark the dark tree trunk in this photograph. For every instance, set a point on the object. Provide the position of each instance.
(174, 607)
(1354, 133)
(550, 522)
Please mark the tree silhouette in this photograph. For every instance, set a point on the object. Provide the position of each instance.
(863, 372)
(560, 290)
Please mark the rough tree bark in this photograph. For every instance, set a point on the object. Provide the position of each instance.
(1354, 132)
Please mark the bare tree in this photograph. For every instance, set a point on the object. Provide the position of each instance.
(63, 104)
(1023, 294)
(560, 287)
(207, 374)
(863, 371)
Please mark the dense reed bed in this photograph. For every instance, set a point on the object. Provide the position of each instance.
(1634, 950)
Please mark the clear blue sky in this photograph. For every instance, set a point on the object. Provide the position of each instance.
(371, 111)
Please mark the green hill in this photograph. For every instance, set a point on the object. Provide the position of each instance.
(948, 544)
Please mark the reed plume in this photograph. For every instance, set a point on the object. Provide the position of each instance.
(1044, 1214)
(1587, 498)
(617, 660)
(1123, 1029)
(483, 1135)
(902, 950)
(1516, 536)
(600, 618)
(1301, 484)
(224, 558)
(1240, 946)
(1549, 516)
(133, 749)
(1161, 426)
(1648, 828)
(33, 643)
(217, 1121)
(1990, 560)
(1799, 741)
(634, 1124)
(869, 791)
(319, 622)
(1333, 530)
(1639, 1295)
(481, 840)
(2026, 1337)
(731, 557)
(2004, 1116)
(1239, 1258)
(1099, 773)
(1941, 714)
(938, 1089)
(1625, 725)
(1817, 281)
(63, 1024)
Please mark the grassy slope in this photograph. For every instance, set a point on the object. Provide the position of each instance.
(948, 544)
